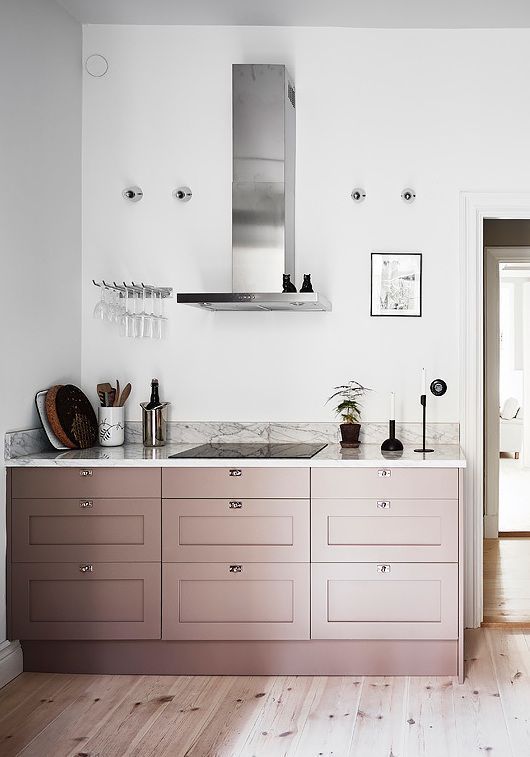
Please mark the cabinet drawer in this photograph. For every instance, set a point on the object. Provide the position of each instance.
(383, 483)
(84, 530)
(408, 601)
(244, 530)
(61, 601)
(58, 483)
(212, 601)
(362, 530)
(235, 483)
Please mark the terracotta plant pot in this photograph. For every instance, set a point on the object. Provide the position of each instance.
(350, 434)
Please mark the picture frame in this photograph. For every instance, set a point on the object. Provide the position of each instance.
(396, 284)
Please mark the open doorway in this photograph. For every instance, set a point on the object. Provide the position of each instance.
(507, 422)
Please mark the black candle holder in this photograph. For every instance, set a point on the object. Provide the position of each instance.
(391, 444)
(423, 402)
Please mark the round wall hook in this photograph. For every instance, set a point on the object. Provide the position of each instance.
(96, 65)
(183, 194)
(133, 194)
(358, 194)
(408, 195)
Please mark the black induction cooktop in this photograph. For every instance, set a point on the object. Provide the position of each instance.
(280, 451)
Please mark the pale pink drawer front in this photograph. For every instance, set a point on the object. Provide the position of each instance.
(72, 530)
(362, 530)
(70, 601)
(235, 483)
(384, 483)
(406, 601)
(56, 483)
(259, 601)
(244, 530)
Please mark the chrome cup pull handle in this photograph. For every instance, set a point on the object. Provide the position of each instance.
(85, 473)
(84, 503)
(235, 568)
(383, 504)
(384, 568)
(235, 504)
(86, 568)
(235, 472)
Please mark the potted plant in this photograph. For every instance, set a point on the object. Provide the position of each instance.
(348, 406)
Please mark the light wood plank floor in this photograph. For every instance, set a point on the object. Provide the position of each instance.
(45, 715)
(507, 581)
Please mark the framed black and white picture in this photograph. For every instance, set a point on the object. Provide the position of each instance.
(396, 283)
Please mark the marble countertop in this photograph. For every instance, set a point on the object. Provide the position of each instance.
(135, 455)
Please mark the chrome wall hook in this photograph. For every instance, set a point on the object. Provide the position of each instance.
(408, 195)
(184, 194)
(133, 194)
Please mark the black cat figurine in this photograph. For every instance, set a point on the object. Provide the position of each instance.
(288, 285)
(307, 286)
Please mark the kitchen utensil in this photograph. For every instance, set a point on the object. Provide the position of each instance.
(117, 397)
(40, 402)
(111, 397)
(71, 416)
(102, 390)
(124, 396)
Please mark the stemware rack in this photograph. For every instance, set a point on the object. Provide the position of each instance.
(147, 290)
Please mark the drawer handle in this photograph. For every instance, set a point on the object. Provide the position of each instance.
(235, 472)
(86, 568)
(384, 568)
(85, 473)
(384, 472)
(84, 503)
(235, 505)
(383, 504)
(235, 569)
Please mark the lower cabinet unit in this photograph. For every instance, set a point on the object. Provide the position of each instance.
(384, 601)
(235, 601)
(86, 601)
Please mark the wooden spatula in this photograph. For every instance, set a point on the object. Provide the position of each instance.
(117, 396)
(102, 390)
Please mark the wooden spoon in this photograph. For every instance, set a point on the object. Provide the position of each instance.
(117, 397)
(124, 396)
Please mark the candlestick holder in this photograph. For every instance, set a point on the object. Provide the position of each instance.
(423, 402)
(391, 444)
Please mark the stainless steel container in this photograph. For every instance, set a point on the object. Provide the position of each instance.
(154, 425)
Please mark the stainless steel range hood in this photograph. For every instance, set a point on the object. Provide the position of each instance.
(263, 109)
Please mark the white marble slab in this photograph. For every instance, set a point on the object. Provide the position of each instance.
(135, 455)
(181, 432)
(23, 443)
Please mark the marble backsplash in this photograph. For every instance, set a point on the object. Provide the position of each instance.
(24, 443)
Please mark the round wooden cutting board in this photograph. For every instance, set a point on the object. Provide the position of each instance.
(71, 416)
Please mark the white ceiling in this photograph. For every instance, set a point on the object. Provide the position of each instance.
(398, 14)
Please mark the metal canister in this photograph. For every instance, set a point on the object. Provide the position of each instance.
(154, 425)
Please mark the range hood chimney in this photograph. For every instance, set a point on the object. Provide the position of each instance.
(263, 178)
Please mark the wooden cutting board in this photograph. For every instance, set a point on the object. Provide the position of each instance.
(71, 416)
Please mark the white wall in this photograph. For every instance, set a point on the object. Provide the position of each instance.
(40, 211)
(377, 109)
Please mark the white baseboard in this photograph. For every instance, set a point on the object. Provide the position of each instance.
(11, 664)
(491, 526)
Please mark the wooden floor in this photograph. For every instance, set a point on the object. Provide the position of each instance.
(43, 715)
(507, 581)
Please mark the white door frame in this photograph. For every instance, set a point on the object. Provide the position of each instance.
(493, 256)
(474, 208)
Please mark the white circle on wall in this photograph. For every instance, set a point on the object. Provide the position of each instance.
(96, 65)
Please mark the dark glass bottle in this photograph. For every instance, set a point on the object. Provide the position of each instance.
(155, 400)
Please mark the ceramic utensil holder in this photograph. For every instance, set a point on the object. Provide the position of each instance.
(154, 425)
(111, 426)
